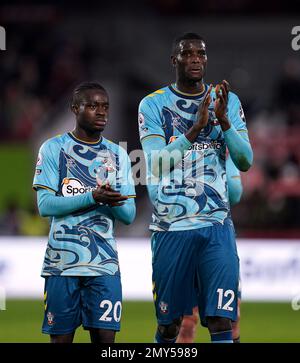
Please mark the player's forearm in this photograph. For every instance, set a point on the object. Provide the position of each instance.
(53, 206)
(162, 158)
(193, 133)
(234, 182)
(125, 213)
(240, 149)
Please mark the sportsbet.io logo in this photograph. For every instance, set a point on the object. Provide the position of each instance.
(296, 40)
(72, 187)
(2, 38)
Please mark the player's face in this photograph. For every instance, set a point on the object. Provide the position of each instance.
(92, 111)
(190, 59)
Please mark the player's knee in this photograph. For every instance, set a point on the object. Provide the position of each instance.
(190, 321)
(236, 330)
(188, 327)
(170, 331)
(217, 324)
(102, 335)
(65, 338)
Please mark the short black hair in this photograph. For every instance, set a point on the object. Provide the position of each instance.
(185, 36)
(82, 87)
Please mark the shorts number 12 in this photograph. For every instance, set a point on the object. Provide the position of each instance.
(225, 294)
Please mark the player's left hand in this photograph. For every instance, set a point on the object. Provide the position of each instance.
(109, 188)
(221, 102)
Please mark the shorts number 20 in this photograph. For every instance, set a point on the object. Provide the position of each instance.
(117, 310)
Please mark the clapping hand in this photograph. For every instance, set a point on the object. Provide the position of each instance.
(221, 103)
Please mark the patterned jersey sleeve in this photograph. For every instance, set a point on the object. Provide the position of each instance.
(237, 116)
(125, 185)
(149, 120)
(125, 179)
(47, 168)
(235, 187)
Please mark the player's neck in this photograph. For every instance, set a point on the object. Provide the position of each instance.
(188, 86)
(84, 135)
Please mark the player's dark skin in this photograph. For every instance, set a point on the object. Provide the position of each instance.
(91, 113)
(190, 60)
(91, 118)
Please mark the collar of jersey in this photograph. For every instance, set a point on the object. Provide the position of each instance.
(72, 136)
(189, 96)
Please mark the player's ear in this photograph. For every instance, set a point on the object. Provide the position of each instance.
(75, 109)
(173, 61)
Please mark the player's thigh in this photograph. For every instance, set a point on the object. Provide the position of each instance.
(174, 272)
(102, 302)
(62, 305)
(218, 271)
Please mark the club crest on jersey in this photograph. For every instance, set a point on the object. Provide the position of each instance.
(164, 307)
(242, 115)
(143, 128)
(50, 318)
(106, 172)
(39, 159)
(141, 119)
(73, 186)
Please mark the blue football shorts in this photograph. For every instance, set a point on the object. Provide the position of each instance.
(201, 262)
(93, 301)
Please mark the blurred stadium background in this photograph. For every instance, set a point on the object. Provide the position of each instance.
(52, 47)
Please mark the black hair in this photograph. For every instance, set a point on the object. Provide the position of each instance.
(82, 87)
(185, 36)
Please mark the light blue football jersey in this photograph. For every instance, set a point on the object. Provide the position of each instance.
(81, 243)
(195, 194)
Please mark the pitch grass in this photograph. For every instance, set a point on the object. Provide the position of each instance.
(261, 322)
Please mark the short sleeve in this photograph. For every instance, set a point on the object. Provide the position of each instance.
(149, 120)
(47, 168)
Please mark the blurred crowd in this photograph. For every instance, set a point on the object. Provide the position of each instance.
(17, 221)
(37, 71)
(271, 200)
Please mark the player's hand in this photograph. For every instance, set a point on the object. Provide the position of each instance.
(106, 195)
(221, 103)
(203, 110)
(202, 118)
(114, 204)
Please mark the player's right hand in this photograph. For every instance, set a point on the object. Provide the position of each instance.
(106, 195)
(202, 119)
